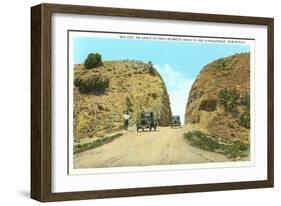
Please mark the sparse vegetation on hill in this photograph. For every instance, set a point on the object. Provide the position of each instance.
(219, 100)
(235, 150)
(103, 94)
(244, 119)
(95, 143)
(91, 83)
(229, 98)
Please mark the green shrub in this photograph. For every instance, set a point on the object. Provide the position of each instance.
(93, 60)
(208, 105)
(101, 84)
(229, 98)
(154, 95)
(245, 100)
(151, 68)
(88, 84)
(245, 119)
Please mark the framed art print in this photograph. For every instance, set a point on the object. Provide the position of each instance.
(130, 102)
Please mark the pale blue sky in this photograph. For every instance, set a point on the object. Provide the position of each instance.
(178, 62)
(187, 57)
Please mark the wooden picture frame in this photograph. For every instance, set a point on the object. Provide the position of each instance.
(41, 101)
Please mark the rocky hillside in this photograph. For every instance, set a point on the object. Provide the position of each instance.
(219, 100)
(131, 86)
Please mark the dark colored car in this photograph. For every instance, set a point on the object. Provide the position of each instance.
(175, 121)
(146, 120)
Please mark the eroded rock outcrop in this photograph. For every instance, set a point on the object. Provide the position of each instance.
(131, 86)
(219, 101)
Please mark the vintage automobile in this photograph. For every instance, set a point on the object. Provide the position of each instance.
(146, 120)
(175, 121)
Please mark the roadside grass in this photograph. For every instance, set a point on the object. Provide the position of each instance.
(97, 143)
(232, 150)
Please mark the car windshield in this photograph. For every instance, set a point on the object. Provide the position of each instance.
(175, 117)
(145, 114)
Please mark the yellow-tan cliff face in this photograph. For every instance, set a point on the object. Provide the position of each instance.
(219, 100)
(133, 86)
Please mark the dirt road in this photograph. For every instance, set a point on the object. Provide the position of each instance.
(162, 147)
